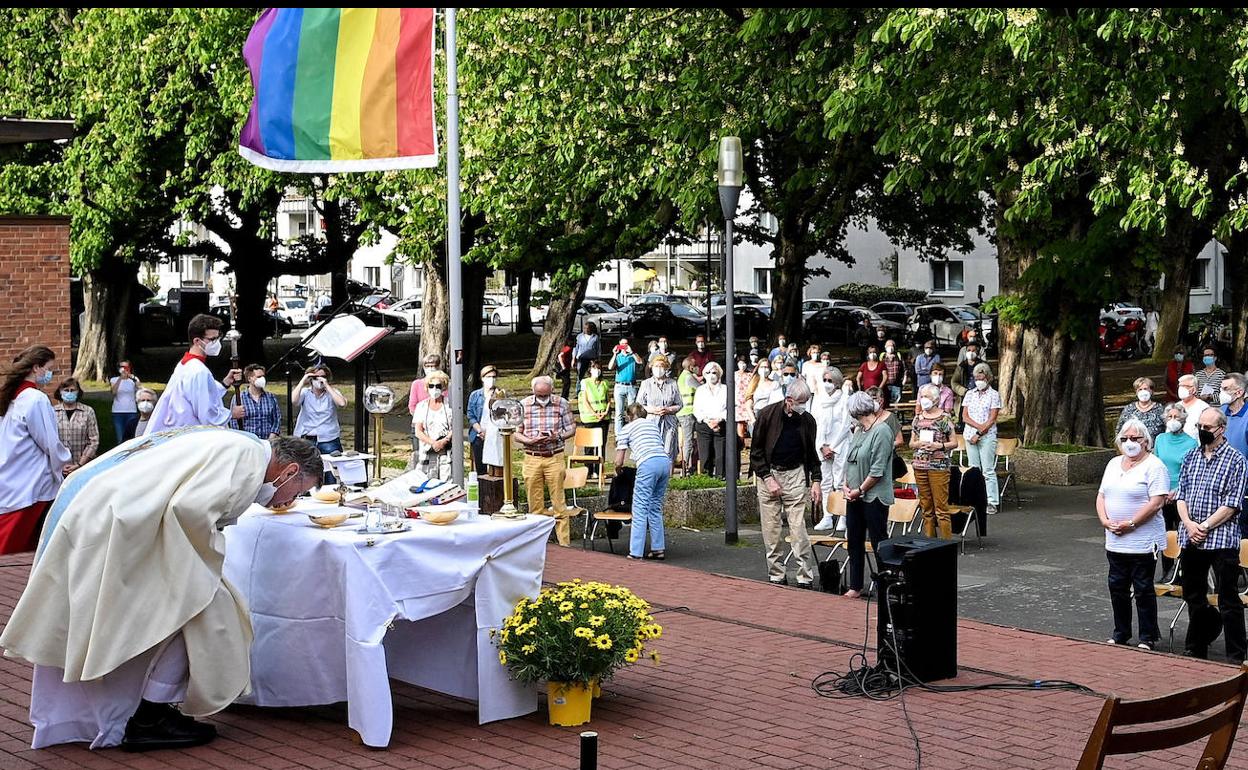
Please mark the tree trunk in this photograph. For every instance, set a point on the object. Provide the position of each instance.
(787, 283)
(524, 295)
(474, 275)
(559, 320)
(435, 315)
(251, 282)
(1180, 245)
(108, 295)
(1235, 264)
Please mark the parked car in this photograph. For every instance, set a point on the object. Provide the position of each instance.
(747, 321)
(896, 311)
(658, 319)
(1121, 310)
(946, 324)
(606, 318)
(812, 306)
(614, 303)
(380, 301)
(505, 315)
(740, 298)
(656, 298)
(295, 310)
(280, 326)
(837, 325)
(487, 307)
(987, 324)
(410, 309)
(369, 315)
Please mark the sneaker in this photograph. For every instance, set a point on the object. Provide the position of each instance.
(1150, 646)
(826, 524)
(1111, 641)
(991, 509)
(780, 582)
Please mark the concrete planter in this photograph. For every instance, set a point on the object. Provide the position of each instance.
(1063, 470)
(697, 508)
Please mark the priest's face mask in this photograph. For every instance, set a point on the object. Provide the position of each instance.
(282, 484)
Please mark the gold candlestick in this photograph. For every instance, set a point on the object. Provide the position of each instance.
(508, 415)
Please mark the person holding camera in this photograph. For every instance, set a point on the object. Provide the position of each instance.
(319, 403)
(125, 387)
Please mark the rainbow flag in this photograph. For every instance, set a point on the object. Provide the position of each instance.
(341, 89)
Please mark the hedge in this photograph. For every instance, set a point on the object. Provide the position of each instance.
(866, 294)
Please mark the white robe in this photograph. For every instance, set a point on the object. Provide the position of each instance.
(491, 438)
(31, 452)
(832, 424)
(192, 397)
(130, 557)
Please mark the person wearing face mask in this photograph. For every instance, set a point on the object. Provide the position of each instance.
(924, 362)
(1192, 403)
(980, 408)
(477, 416)
(75, 424)
(1144, 409)
(661, 397)
(868, 486)
(660, 349)
(125, 411)
(587, 350)
(864, 336)
(787, 474)
(547, 425)
(319, 403)
(896, 374)
(701, 356)
(32, 457)
(964, 372)
(972, 338)
(687, 384)
(758, 393)
(193, 396)
(626, 364)
(563, 366)
(593, 400)
(781, 349)
(1171, 447)
(1209, 379)
(872, 373)
(741, 388)
(1176, 368)
(431, 424)
(1231, 399)
(126, 605)
(419, 390)
(1211, 492)
(812, 370)
(145, 401)
(710, 410)
(945, 399)
(933, 434)
(263, 417)
(1133, 490)
(832, 436)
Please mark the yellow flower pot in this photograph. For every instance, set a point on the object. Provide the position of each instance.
(569, 702)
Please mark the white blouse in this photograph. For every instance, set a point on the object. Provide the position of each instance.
(31, 453)
(710, 402)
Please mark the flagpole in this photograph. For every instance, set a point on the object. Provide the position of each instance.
(453, 279)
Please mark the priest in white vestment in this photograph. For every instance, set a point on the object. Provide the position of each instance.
(193, 396)
(126, 610)
(832, 435)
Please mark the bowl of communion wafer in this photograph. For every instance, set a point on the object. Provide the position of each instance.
(328, 520)
(326, 495)
(282, 508)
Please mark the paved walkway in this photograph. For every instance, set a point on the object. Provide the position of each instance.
(733, 691)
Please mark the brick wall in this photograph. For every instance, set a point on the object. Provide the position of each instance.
(34, 287)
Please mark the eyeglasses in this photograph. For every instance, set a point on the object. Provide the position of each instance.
(1132, 438)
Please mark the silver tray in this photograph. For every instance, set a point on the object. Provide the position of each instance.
(406, 527)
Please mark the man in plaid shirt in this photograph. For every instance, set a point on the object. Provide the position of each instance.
(261, 413)
(547, 424)
(1210, 494)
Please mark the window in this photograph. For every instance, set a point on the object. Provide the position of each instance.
(372, 276)
(947, 277)
(762, 280)
(1200, 275)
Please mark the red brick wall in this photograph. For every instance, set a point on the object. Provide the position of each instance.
(34, 287)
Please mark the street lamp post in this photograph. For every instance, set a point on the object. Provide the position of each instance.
(730, 181)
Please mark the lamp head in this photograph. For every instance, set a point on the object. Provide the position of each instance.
(730, 162)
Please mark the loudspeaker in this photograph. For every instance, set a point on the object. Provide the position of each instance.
(917, 587)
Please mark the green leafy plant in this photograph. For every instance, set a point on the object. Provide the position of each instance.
(867, 294)
(576, 632)
(696, 481)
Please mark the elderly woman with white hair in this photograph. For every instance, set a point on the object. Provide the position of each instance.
(1133, 490)
(1192, 403)
(431, 425)
(834, 423)
(868, 486)
(710, 410)
(933, 435)
(980, 407)
(1144, 409)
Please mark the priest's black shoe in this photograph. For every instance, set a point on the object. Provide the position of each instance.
(161, 726)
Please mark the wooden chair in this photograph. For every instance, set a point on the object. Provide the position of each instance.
(1171, 587)
(574, 479)
(959, 454)
(592, 520)
(835, 505)
(1218, 705)
(1211, 598)
(1005, 451)
(587, 439)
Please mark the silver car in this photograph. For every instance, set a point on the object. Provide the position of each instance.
(606, 318)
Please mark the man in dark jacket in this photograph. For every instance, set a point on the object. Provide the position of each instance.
(786, 474)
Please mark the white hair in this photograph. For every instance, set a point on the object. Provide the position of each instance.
(860, 404)
(712, 365)
(799, 391)
(540, 379)
(1146, 438)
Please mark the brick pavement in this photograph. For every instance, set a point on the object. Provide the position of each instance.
(733, 691)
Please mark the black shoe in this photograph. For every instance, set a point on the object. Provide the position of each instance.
(780, 582)
(161, 726)
(806, 586)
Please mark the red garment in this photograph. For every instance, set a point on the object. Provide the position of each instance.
(1175, 370)
(873, 379)
(190, 356)
(23, 385)
(19, 530)
(700, 360)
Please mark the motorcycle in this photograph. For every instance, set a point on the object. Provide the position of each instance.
(1121, 338)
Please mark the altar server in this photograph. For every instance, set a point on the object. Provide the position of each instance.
(126, 611)
(193, 396)
(32, 456)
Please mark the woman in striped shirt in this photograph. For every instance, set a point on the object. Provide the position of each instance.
(644, 439)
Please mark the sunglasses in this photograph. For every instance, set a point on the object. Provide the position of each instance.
(1132, 438)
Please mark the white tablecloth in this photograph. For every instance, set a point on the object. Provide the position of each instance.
(323, 603)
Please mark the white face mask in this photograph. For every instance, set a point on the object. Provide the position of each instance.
(1225, 398)
(1174, 426)
(890, 349)
(542, 400)
(428, 370)
(1144, 395)
(593, 374)
(435, 392)
(260, 382)
(487, 382)
(764, 373)
(146, 407)
(662, 346)
(1184, 393)
(740, 366)
(981, 384)
(799, 408)
(1131, 448)
(319, 383)
(830, 388)
(712, 378)
(928, 351)
(971, 355)
(937, 379)
(878, 407)
(212, 348)
(268, 490)
(872, 356)
(787, 379)
(659, 372)
(926, 403)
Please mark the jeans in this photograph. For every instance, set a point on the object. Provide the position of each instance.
(648, 492)
(1195, 564)
(625, 395)
(983, 455)
(478, 452)
(894, 394)
(711, 449)
(565, 378)
(124, 424)
(863, 518)
(328, 448)
(1127, 572)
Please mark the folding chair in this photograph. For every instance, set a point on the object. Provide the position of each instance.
(1171, 587)
(1219, 706)
(1178, 588)
(574, 479)
(592, 519)
(1005, 451)
(835, 505)
(620, 502)
(590, 439)
(959, 454)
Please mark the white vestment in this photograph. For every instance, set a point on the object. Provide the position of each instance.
(192, 397)
(130, 559)
(31, 453)
(491, 438)
(832, 429)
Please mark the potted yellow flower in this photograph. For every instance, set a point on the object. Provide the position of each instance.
(574, 636)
